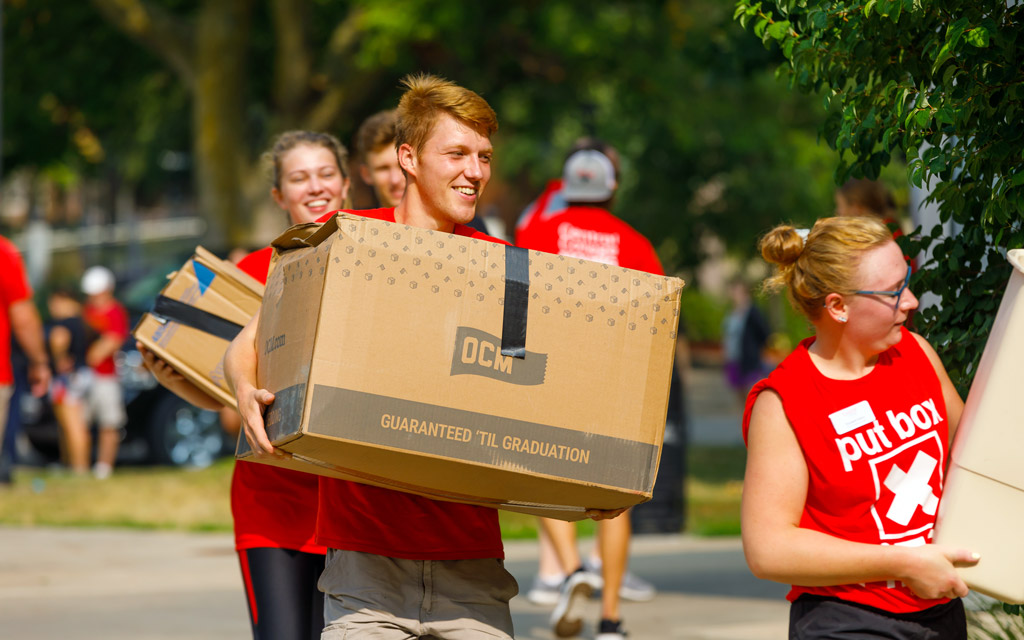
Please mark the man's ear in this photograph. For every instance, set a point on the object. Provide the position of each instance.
(364, 173)
(407, 158)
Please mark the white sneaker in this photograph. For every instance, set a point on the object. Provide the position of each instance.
(633, 587)
(101, 470)
(545, 591)
(579, 584)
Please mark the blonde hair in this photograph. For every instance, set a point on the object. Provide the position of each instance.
(826, 262)
(426, 98)
(288, 140)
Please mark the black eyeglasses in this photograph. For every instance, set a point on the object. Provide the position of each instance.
(892, 294)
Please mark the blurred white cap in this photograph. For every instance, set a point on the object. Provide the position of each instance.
(588, 176)
(96, 280)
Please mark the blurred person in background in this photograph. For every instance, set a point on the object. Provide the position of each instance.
(275, 509)
(863, 197)
(18, 319)
(586, 228)
(378, 158)
(68, 339)
(745, 333)
(107, 319)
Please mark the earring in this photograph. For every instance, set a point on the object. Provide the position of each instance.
(842, 318)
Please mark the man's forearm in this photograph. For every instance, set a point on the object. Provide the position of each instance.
(28, 331)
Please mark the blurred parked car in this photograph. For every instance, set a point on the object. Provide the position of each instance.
(162, 428)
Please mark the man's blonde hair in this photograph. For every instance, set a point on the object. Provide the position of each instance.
(427, 97)
(826, 262)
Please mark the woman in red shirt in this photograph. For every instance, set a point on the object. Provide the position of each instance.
(847, 446)
(275, 509)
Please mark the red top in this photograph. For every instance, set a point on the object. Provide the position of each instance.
(357, 517)
(14, 287)
(590, 233)
(272, 507)
(111, 320)
(875, 450)
(548, 203)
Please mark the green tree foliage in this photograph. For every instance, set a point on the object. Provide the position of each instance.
(711, 142)
(943, 84)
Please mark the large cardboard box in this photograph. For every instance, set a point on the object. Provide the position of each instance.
(982, 506)
(198, 312)
(383, 345)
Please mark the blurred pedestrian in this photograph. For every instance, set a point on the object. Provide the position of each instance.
(586, 228)
(108, 320)
(20, 319)
(744, 336)
(68, 339)
(275, 509)
(842, 486)
(378, 158)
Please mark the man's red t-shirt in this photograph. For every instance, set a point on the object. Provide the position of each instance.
(108, 320)
(272, 507)
(591, 233)
(357, 517)
(14, 287)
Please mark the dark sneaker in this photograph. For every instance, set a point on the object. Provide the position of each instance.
(610, 630)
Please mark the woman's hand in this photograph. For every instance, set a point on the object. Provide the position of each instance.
(931, 571)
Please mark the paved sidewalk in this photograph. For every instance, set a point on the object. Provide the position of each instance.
(93, 584)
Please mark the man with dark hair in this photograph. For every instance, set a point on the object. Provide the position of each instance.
(378, 158)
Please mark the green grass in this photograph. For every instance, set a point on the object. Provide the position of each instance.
(198, 500)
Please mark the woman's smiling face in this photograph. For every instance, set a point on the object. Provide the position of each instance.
(312, 184)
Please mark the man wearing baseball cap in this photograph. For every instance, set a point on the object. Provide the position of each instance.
(586, 228)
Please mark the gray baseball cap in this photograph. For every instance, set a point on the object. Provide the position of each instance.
(589, 176)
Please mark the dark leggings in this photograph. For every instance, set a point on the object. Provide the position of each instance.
(280, 587)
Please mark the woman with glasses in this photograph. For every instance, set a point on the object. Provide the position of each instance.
(847, 446)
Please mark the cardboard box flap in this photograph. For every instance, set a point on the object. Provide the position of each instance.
(240, 277)
(309, 234)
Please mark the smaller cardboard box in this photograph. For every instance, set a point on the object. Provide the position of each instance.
(197, 314)
(383, 345)
(982, 507)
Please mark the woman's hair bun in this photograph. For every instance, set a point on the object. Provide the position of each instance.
(782, 245)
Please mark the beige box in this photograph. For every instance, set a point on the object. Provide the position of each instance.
(200, 309)
(982, 507)
(383, 345)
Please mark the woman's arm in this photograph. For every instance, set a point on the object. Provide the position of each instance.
(954, 405)
(240, 373)
(774, 492)
(175, 382)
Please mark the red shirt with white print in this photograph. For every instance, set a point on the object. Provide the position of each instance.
(875, 450)
(591, 233)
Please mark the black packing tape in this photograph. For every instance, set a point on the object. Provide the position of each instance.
(190, 316)
(517, 297)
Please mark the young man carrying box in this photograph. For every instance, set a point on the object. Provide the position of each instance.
(400, 565)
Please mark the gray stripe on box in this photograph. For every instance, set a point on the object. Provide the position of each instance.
(481, 438)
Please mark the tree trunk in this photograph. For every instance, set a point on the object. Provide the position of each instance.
(218, 108)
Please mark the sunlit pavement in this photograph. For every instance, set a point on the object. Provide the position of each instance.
(112, 584)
